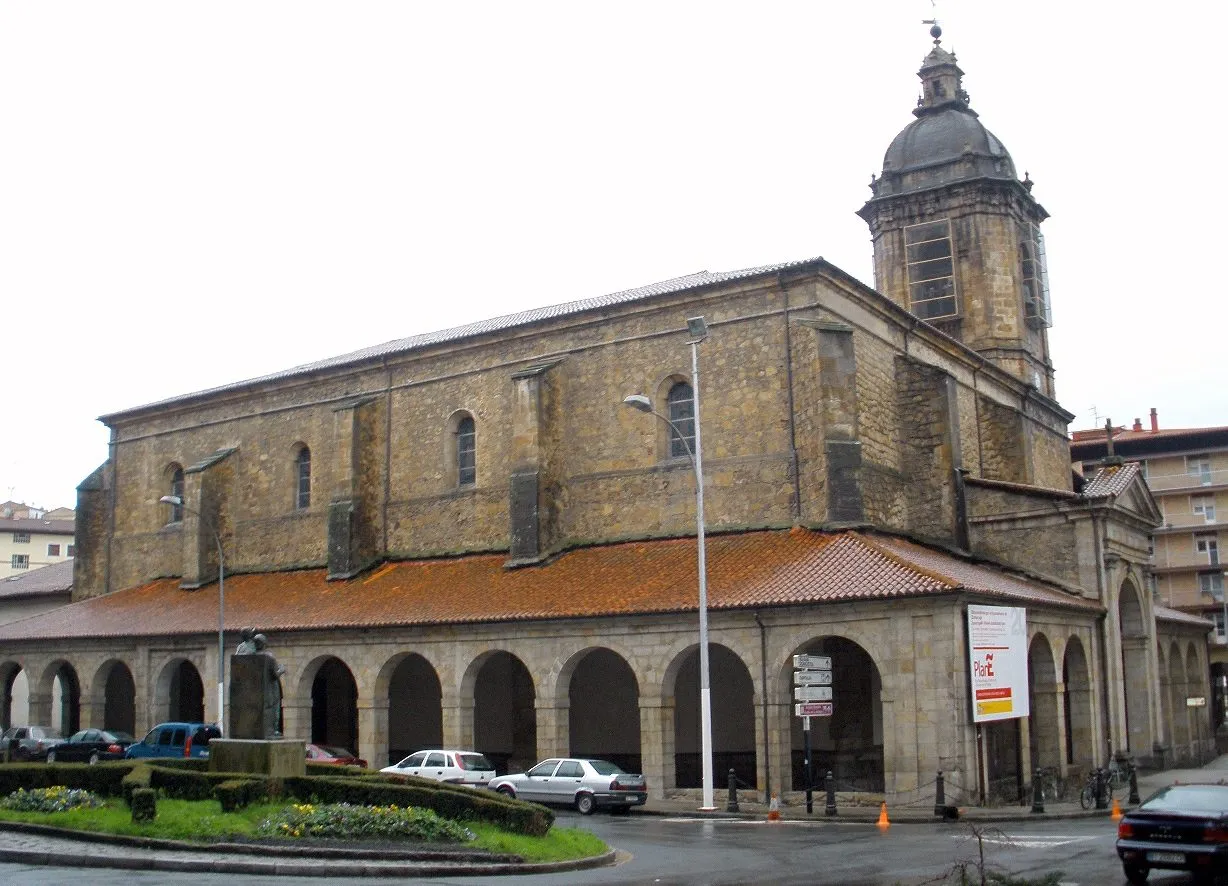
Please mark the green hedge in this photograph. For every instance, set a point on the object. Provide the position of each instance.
(104, 779)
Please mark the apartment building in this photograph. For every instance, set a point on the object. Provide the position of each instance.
(1187, 472)
(31, 542)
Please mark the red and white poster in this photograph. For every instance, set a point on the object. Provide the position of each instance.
(998, 662)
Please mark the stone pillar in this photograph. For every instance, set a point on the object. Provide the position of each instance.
(552, 738)
(296, 717)
(653, 744)
(457, 724)
(838, 400)
(372, 740)
(40, 706)
(531, 512)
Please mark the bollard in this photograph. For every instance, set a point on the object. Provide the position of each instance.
(1133, 799)
(1102, 788)
(732, 805)
(940, 797)
(1038, 793)
(831, 794)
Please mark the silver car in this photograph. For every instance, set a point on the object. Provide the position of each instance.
(584, 784)
(454, 767)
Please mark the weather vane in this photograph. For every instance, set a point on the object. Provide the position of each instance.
(935, 28)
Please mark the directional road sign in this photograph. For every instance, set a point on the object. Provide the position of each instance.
(812, 693)
(812, 662)
(812, 678)
(813, 709)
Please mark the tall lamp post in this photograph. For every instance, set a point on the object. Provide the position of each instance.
(698, 331)
(177, 501)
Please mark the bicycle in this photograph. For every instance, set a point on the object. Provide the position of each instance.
(1087, 796)
(1117, 775)
(1052, 786)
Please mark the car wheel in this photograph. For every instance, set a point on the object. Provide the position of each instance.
(1135, 873)
(585, 804)
(506, 791)
(93, 758)
(51, 756)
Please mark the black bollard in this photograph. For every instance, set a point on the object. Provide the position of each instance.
(732, 805)
(1038, 793)
(940, 797)
(1133, 799)
(1102, 789)
(831, 794)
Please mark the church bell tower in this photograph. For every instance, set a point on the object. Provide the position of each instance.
(956, 234)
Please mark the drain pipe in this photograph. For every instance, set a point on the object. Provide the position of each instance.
(767, 755)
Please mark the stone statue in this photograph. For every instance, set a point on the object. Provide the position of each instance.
(255, 686)
(247, 646)
(272, 687)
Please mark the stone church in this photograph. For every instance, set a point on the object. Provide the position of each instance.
(467, 539)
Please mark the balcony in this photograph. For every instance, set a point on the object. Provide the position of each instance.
(1188, 522)
(1181, 561)
(1205, 480)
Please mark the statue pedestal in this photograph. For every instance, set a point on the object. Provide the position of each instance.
(278, 757)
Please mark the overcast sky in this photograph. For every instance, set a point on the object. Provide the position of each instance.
(196, 193)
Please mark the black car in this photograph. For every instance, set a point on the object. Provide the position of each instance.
(1183, 827)
(90, 746)
(26, 743)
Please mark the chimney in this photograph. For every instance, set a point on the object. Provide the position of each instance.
(1155, 420)
(1138, 425)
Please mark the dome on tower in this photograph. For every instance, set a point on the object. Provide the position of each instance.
(947, 142)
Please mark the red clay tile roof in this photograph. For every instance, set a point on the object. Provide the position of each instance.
(1111, 480)
(764, 568)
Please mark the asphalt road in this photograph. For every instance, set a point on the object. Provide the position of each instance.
(681, 851)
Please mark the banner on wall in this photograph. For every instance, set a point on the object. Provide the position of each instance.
(998, 662)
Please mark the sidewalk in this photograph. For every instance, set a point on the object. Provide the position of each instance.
(46, 846)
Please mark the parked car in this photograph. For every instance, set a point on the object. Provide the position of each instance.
(27, 743)
(321, 753)
(455, 767)
(584, 784)
(175, 740)
(1183, 827)
(90, 746)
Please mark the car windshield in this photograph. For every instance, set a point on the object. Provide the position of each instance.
(473, 761)
(1199, 799)
(334, 751)
(117, 736)
(602, 767)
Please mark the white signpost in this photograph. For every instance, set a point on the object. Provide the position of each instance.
(812, 690)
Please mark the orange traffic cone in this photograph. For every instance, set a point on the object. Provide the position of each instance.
(774, 809)
(882, 818)
(1116, 810)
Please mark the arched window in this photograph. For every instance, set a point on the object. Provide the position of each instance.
(302, 479)
(466, 453)
(177, 492)
(681, 403)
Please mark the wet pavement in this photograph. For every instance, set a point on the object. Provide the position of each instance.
(47, 846)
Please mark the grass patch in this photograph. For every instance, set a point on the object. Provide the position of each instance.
(202, 821)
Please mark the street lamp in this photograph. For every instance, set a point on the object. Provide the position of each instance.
(698, 331)
(177, 501)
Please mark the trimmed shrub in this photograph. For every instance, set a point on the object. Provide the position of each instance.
(144, 804)
(236, 793)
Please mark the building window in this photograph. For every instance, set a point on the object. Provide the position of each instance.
(20, 561)
(72, 551)
(1211, 583)
(681, 404)
(466, 452)
(1035, 276)
(53, 550)
(931, 270)
(1199, 465)
(1218, 618)
(1207, 544)
(302, 481)
(1203, 506)
(21, 538)
(177, 492)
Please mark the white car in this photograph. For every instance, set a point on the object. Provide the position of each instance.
(584, 784)
(454, 767)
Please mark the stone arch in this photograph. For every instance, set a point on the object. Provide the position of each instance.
(414, 694)
(732, 696)
(1176, 696)
(330, 685)
(113, 695)
(1045, 718)
(60, 688)
(15, 709)
(503, 717)
(460, 470)
(1135, 644)
(849, 743)
(602, 696)
(1196, 687)
(1077, 699)
(179, 693)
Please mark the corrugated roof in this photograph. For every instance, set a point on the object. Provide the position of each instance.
(765, 568)
(486, 327)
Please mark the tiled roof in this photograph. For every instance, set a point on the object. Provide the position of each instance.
(46, 527)
(764, 568)
(1163, 613)
(485, 327)
(46, 580)
(1111, 480)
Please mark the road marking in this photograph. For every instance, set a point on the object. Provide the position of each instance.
(1026, 842)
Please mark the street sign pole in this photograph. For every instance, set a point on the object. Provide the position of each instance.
(809, 769)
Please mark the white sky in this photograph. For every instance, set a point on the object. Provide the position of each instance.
(196, 193)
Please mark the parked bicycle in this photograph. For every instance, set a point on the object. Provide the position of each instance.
(1116, 782)
(1052, 785)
